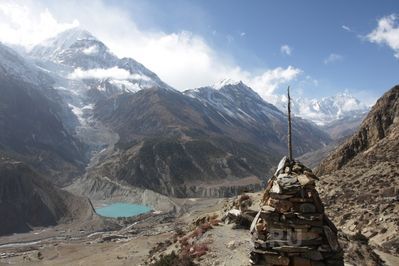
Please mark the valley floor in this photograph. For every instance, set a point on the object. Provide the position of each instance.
(142, 241)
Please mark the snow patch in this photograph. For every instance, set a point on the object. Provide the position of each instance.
(79, 112)
(125, 85)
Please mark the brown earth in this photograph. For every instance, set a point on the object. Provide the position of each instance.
(142, 241)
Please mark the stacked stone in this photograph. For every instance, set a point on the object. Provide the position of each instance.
(291, 227)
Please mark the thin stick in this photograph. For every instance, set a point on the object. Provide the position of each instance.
(289, 125)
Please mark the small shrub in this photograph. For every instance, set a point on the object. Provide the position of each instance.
(199, 250)
(173, 260)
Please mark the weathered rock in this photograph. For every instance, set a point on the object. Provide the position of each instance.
(288, 182)
(307, 208)
(280, 205)
(267, 209)
(296, 199)
(331, 238)
(293, 249)
(276, 259)
(305, 235)
(291, 222)
(313, 255)
(299, 261)
(276, 188)
(231, 245)
(305, 180)
(281, 165)
(253, 224)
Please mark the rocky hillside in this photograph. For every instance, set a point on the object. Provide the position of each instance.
(27, 200)
(344, 127)
(359, 183)
(377, 130)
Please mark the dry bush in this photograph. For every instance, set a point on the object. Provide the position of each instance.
(173, 260)
(199, 250)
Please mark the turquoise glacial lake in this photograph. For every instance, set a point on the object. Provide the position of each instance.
(120, 209)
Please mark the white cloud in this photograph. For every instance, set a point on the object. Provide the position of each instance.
(285, 49)
(387, 32)
(268, 82)
(344, 27)
(242, 34)
(90, 50)
(332, 58)
(101, 73)
(25, 25)
(182, 59)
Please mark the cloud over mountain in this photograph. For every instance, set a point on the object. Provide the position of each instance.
(182, 59)
(387, 32)
(104, 73)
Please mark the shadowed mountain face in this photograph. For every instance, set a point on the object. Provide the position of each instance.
(183, 146)
(27, 200)
(32, 125)
(360, 182)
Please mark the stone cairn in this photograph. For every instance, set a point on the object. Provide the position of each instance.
(291, 227)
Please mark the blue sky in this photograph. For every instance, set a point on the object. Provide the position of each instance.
(319, 47)
(253, 32)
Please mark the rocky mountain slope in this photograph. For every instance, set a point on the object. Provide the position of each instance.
(138, 131)
(245, 111)
(183, 145)
(27, 200)
(32, 117)
(359, 182)
(344, 127)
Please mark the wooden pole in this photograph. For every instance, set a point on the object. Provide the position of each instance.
(289, 126)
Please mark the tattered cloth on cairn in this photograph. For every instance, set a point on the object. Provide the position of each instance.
(291, 227)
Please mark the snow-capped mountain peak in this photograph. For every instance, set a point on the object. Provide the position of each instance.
(83, 57)
(235, 100)
(224, 82)
(61, 41)
(75, 47)
(328, 109)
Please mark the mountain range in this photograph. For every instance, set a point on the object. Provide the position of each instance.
(119, 119)
(76, 119)
(72, 111)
